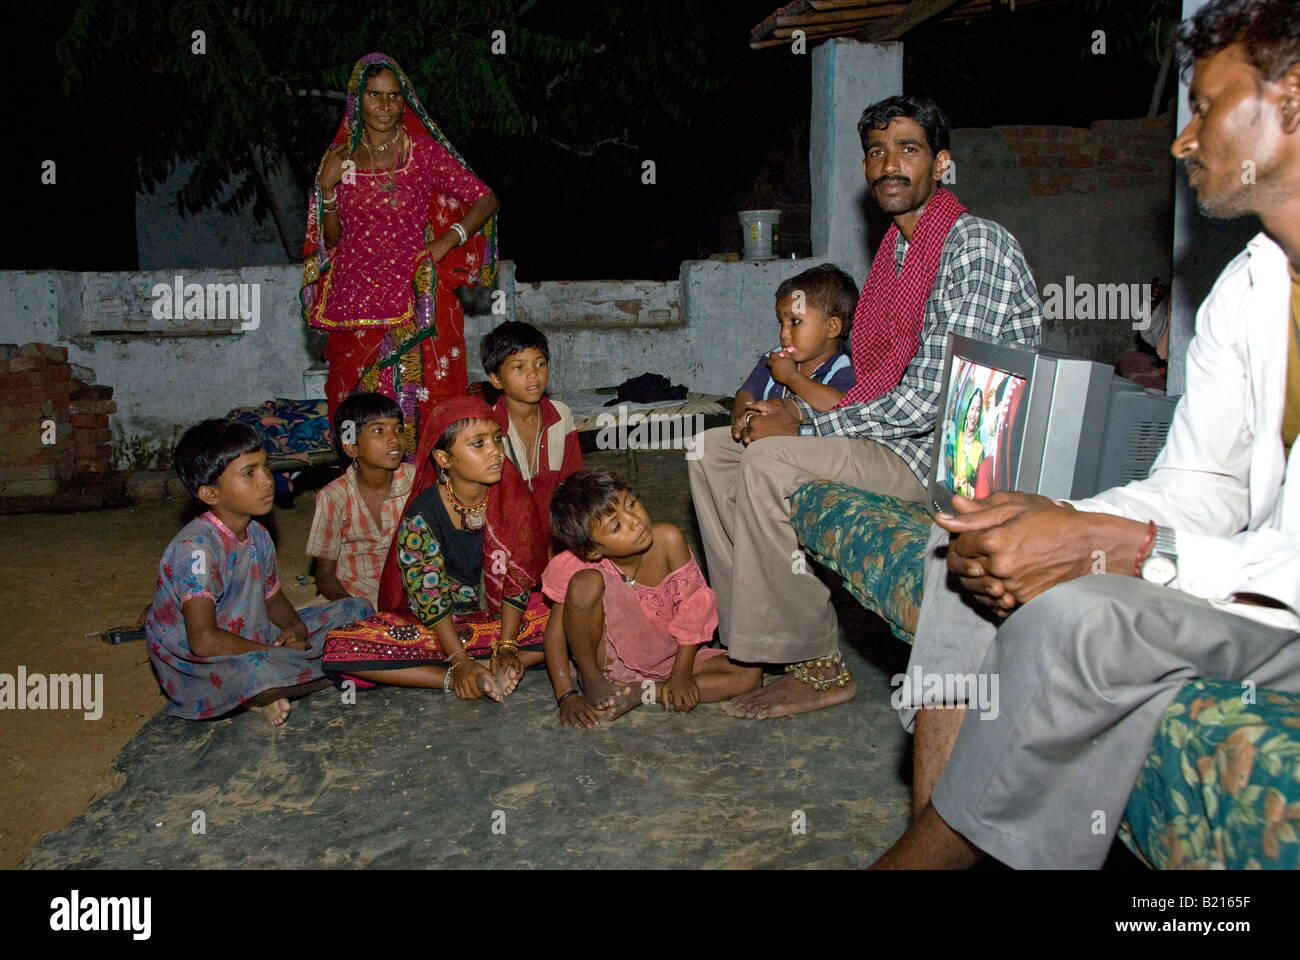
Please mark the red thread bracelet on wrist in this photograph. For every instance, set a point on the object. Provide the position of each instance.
(1146, 544)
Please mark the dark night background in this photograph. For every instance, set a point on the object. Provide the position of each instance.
(559, 127)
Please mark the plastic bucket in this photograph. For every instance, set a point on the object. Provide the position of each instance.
(761, 231)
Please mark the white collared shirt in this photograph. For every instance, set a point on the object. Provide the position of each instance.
(1220, 481)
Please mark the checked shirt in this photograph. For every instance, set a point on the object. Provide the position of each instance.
(984, 290)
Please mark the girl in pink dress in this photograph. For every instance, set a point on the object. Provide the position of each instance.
(632, 610)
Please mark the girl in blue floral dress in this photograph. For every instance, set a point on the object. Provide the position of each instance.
(221, 634)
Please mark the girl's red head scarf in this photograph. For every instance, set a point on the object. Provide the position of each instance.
(512, 533)
(475, 260)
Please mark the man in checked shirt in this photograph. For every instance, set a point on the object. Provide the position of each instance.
(939, 270)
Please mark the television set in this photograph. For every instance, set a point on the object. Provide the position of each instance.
(1016, 418)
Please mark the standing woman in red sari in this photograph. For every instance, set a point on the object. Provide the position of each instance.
(397, 221)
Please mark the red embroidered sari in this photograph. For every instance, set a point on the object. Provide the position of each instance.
(395, 324)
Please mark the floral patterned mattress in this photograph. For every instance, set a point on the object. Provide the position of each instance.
(295, 432)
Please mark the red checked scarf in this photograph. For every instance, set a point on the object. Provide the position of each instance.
(891, 310)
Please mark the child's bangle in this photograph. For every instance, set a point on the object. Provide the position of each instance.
(446, 680)
(565, 697)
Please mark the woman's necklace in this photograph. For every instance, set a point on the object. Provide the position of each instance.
(380, 148)
(471, 517)
(391, 186)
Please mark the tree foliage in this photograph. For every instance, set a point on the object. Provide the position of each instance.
(566, 93)
(258, 93)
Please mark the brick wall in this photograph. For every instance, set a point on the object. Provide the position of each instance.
(55, 441)
(1094, 204)
(1111, 154)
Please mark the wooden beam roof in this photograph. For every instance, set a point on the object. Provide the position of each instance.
(874, 20)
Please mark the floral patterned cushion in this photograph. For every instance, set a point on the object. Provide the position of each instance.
(1221, 787)
(871, 541)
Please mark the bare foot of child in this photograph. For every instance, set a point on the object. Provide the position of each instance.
(489, 684)
(611, 700)
(577, 711)
(508, 673)
(276, 712)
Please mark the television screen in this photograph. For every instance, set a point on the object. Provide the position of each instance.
(984, 409)
(1013, 418)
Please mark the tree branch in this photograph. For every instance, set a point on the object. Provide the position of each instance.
(326, 94)
(591, 151)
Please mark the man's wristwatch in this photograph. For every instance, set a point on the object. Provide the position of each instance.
(1161, 566)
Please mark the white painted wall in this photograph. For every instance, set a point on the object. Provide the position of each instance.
(704, 331)
(161, 383)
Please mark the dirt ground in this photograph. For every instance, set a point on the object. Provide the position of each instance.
(66, 575)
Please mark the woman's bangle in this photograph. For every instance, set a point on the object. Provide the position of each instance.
(325, 199)
(565, 697)
(464, 237)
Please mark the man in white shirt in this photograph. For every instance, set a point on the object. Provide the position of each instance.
(1203, 556)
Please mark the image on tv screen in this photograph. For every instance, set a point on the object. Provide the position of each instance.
(979, 428)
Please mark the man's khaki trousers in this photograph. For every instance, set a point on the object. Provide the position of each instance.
(771, 607)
